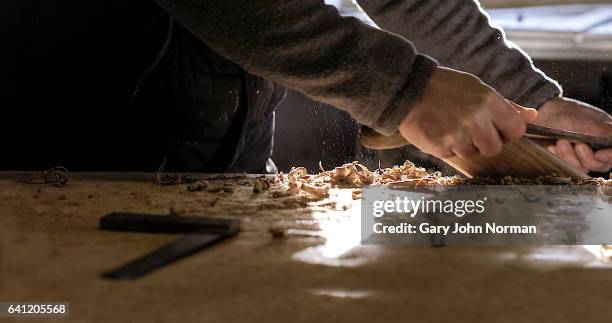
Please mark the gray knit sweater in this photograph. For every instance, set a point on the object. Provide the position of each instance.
(374, 74)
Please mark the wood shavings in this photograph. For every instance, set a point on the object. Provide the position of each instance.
(356, 175)
(260, 185)
(169, 180)
(606, 188)
(228, 188)
(197, 186)
(351, 174)
(279, 194)
(294, 187)
(412, 182)
(556, 180)
(56, 176)
(606, 252)
(296, 173)
(317, 192)
(321, 167)
(401, 174)
(312, 187)
(214, 187)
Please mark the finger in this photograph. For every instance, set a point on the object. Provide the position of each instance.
(605, 155)
(587, 158)
(436, 150)
(565, 150)
(528, 114)
(486, 139)
(465, 151)
(552, 149)
(441, 153)
(508, 121)
(464, 148)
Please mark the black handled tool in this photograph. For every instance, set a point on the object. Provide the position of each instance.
(596, 142)
(201, 233)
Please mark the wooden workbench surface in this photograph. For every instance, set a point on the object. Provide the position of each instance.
(51, 249)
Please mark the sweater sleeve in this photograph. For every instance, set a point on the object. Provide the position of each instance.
(307, 46)
(459, 35)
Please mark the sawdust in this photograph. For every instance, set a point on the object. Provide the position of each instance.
(297, 187)
(355, 175)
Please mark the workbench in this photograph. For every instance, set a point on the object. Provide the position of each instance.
(51, 249)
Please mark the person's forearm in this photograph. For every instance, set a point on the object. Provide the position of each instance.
(458, 35)
(307, 46)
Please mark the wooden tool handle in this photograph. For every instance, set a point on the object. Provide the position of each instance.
(369, 138)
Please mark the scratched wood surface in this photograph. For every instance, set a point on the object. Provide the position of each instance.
(51, 249)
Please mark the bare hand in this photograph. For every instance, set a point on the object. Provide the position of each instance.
(460, 115)
(568, 114)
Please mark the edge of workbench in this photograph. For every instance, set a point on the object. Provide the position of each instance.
(26, 176)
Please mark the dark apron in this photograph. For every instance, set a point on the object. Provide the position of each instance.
(115, 85)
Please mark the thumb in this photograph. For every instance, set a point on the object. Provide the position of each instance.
(528, 114)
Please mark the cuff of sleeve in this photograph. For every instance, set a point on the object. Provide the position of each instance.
(540, 93)
(390, 119)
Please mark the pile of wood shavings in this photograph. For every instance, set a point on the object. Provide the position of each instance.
(355, 175)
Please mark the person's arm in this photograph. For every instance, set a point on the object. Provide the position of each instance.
(307, 46)
(374, 75)
(458, 34)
